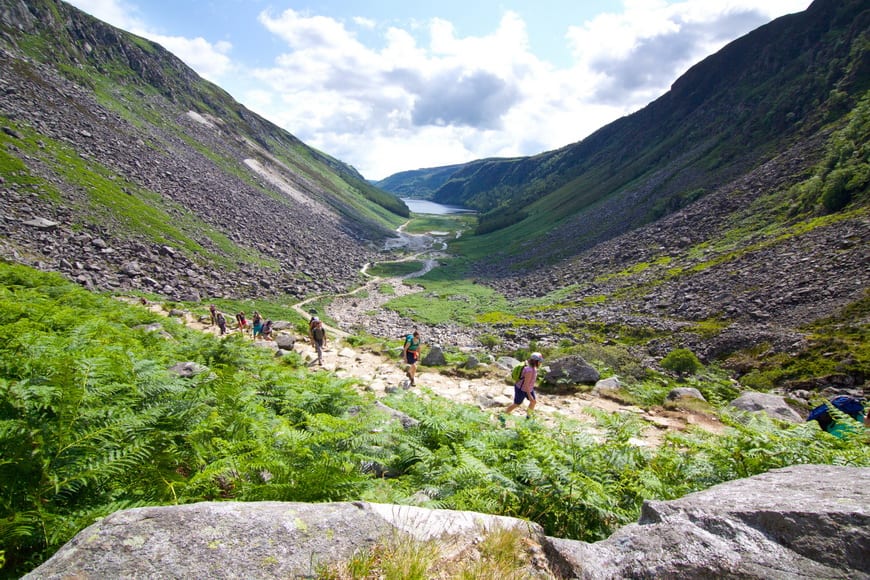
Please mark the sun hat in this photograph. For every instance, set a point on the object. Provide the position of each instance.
(536, 356)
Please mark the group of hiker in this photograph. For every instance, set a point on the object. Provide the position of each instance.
(260, 327)
(524, 375)
(524, 385)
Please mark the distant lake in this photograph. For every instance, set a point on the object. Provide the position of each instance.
(430, 207)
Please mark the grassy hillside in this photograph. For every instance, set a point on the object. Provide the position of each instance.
(124, 70)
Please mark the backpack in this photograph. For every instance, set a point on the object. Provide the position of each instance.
(848, 405)
(517, 372)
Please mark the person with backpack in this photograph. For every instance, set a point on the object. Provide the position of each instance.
(242, 321)
(318, 338)
(410, 353)
(524, 387)
(212, 311)
(221, 322)
(256, 324)
(849, 406)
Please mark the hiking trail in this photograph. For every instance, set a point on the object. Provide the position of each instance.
(491, 392)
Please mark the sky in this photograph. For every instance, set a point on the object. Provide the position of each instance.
(395, 85)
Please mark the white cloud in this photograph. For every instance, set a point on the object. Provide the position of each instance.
(637, 53)
(210, 60)
(426, 96)
(405, 102)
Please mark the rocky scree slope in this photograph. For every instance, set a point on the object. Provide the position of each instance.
(124, 170)
(680, 272)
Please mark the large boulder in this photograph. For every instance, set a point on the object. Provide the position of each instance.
(285, 341)
(261, 540)
(805, 521)
(571, 370)
(774, 405)
(684, 393)
(435, 357)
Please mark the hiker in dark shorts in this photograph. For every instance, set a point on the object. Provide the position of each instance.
(266, 331)
(221, 322)
(243, 322)
(525, 387)
(410, 353)
(318, 338)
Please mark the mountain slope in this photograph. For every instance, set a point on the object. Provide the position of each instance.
(731, 216)
(725, 116)
(159, 180)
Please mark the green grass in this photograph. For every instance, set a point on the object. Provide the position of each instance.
(450, 224)
(440, 302)
(395, 269)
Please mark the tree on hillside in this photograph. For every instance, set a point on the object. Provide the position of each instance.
(681, 361)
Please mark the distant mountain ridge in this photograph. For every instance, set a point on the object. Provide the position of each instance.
(418, 183)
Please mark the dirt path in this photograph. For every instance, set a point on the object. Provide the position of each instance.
(381, 374)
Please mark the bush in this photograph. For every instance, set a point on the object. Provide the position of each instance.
(681, 361)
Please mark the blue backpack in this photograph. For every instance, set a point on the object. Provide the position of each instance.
(848, 405)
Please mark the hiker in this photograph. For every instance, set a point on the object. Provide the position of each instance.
(850, 406)
(213, 312)
(411, 352)
(243, 322)
(318, 338)
(266, 331)
(524, 388)
(257, 324)
(221, 322)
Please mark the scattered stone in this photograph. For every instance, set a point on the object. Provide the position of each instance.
(471, 362)
(610, 384)
(188, 369)
(285, 341)
(41, 224)
(684, 392)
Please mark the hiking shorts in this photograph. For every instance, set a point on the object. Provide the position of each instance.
(520, 395)
(411, 357)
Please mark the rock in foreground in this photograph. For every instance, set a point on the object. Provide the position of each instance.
(806, 521)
